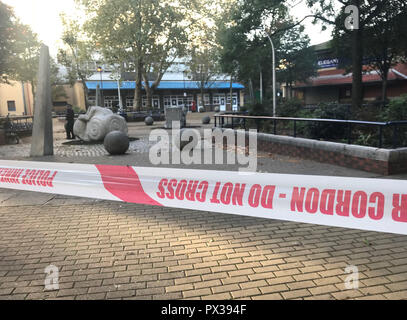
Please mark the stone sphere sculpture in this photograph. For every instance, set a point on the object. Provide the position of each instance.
(206, 120)
(217, 109)
(201, 110)
(97, 123)
(149, 121)
(116, 142)
(187, 136)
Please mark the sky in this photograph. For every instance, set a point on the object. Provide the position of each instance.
(43, 17)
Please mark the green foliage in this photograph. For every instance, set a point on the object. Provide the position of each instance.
(77, 54)
(331, 111)
(365, 139)
(290, 108)
(258, 109)
(140, 35)
(379, 42)
(246, 50)
(297, 57)
(203, 68)
(7, 36)
(19, 48)
(396, 109)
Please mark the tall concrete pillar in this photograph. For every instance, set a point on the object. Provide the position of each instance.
(42, 137)
(98, 96)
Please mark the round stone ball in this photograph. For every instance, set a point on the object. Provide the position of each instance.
(116, 142)
(149, 121)
(206, 120)
(217, 109)
(201, 110)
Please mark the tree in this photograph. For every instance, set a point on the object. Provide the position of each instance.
(367, 10)
(386, 41)
(246, 49)
(298, 59)
(77, 54)
(19, 49)
(144, 36)
(7, 39)
(57, 82)
(27, 56)
(203, 69)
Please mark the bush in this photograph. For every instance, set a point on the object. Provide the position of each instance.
(396, 109)
(290, 108)
(327, 131)
(258, 109)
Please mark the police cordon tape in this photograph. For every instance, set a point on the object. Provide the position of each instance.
(357, 203)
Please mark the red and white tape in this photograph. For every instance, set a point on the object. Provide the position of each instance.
(367, 204)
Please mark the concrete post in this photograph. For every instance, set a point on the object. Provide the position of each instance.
(42, 137)
(98, 96)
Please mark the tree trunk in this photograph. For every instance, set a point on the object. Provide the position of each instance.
(137, 93)
(384, 87)
(149, 92)
(33, 89)
(149, 95)
(251, 90)
(357, 64)
(202, 97)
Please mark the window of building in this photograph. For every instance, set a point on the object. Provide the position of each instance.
(178, 101)
(155, 101)
(111, 101)
(11, 106)
(130, 102)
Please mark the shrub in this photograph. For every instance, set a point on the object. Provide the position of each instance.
(327, 131)
(396, 109)
(290, 108)
(258, 109)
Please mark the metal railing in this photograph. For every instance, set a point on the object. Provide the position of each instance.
(18, 124)
(222, 121)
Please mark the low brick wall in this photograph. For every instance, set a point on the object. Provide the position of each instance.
(381, 161)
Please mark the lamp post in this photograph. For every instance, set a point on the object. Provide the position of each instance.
(118, 91)
(274, 73)
(185, 93)
(100, 70)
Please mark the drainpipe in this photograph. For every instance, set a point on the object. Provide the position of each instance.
(25, 104)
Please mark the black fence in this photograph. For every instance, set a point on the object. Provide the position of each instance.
(18, 125)
(392, 134)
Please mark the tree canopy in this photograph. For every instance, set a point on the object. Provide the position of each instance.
(245, 48)
(140, 35)
(19, 48)
(77, 54)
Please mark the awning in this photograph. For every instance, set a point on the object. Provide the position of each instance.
(164, 85)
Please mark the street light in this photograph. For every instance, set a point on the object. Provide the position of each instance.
(100, 70)
(274, 73)
(118, 90)
(185, 93)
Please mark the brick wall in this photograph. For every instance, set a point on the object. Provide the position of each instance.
(380, 161)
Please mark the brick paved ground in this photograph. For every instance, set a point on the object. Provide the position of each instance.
(111, 250)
